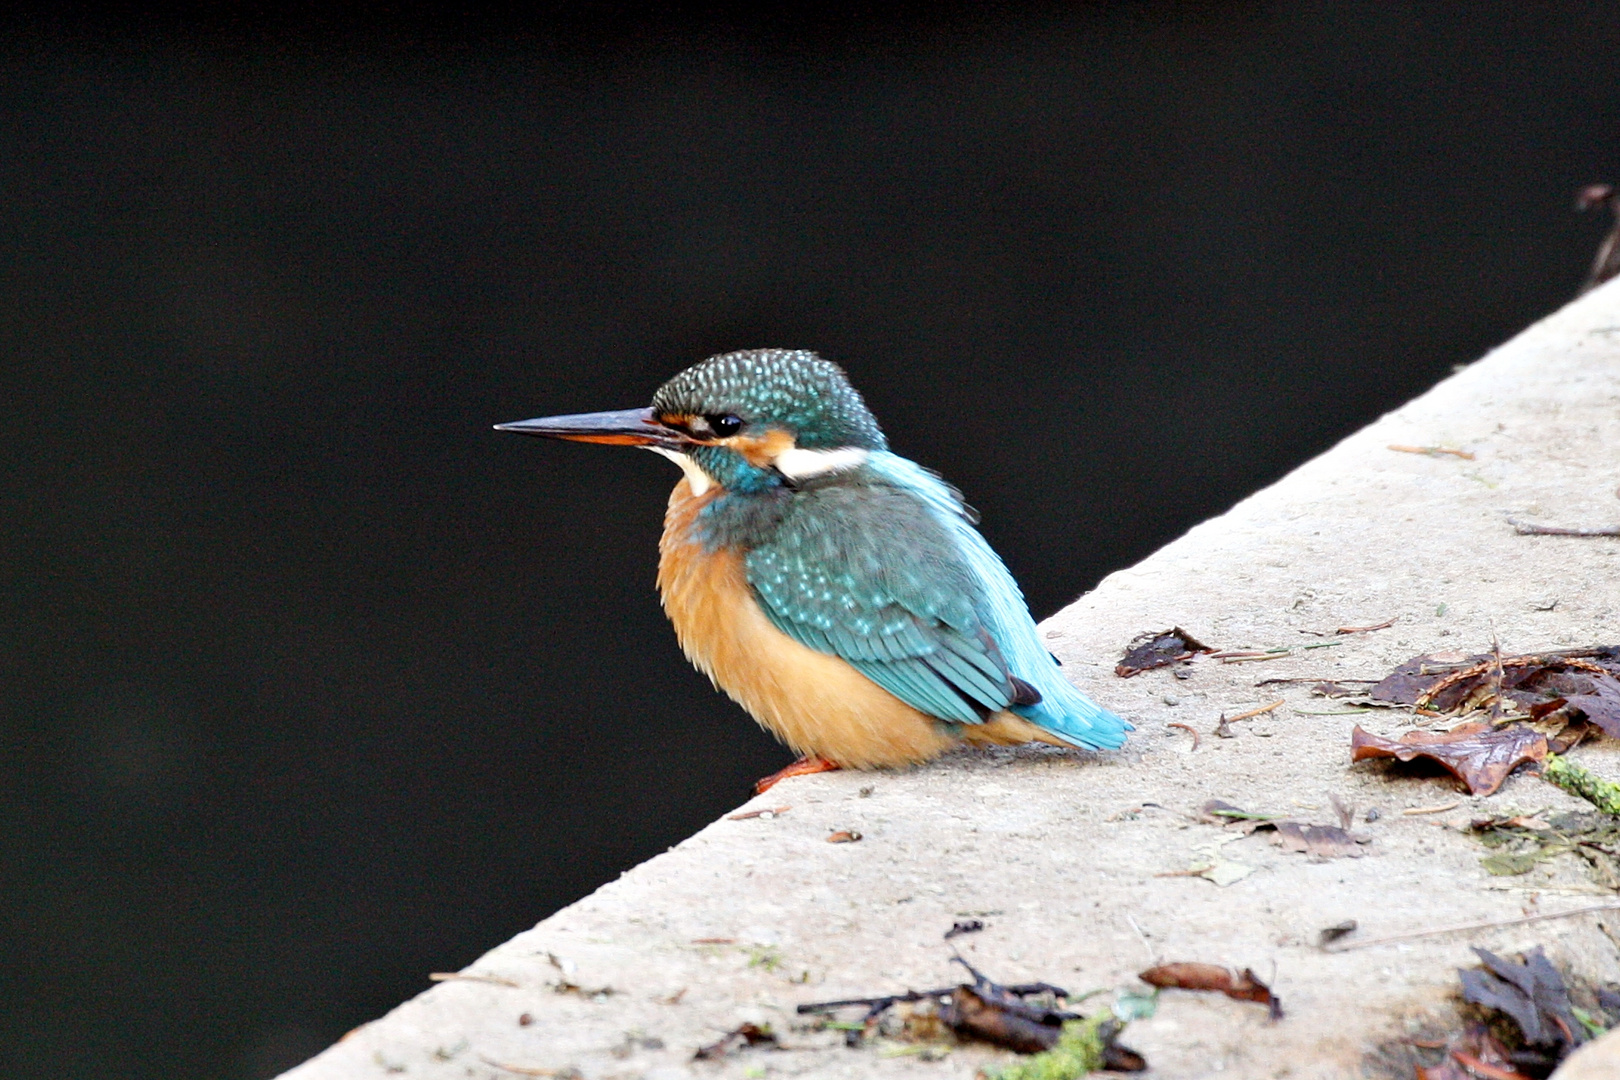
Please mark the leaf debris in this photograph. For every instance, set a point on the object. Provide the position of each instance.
(1244, 985)
(1158, 648)
(738, 1038)
(1477, 754)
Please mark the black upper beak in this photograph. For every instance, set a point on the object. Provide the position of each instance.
(624, 427)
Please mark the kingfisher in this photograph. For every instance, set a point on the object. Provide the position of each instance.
(838, 592)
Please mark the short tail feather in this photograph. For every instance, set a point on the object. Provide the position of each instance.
(1070, 715)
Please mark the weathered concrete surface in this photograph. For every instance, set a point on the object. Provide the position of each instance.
(749, 918)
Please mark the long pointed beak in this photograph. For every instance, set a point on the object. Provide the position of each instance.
(624, 427)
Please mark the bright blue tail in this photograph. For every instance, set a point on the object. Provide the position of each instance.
(1063, 710)
(1070, 715)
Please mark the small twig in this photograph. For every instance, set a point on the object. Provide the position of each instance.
(1525, 528)
(457, 976)
(1252, 713)
(1433, 451)
(527, 1070)
(1189, 729)
(770, 811)
(1345, 812)
(1413, 811)
(1496, 675)
(1490, 924)
(1250, 656)
(1385, 625)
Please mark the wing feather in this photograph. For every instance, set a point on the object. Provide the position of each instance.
(868, 572)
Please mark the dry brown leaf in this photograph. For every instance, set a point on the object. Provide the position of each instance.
(1319, 841)
(1477, 755)
(1158, 648)
(1244, 986)
(1581, 681)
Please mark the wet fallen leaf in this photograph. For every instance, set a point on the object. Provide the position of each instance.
(1409, 680)
(1573, 684)
(1532, 994)
(736, 1039)
(1319, 841)
(1476, 754)
(1244, 986)
(1158, 648)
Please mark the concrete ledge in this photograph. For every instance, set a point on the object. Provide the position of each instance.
(749, 918)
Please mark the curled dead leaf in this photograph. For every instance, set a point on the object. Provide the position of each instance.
(1158, 648)
(1478, 755)
(1245, 985)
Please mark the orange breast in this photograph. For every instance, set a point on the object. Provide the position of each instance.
(814, 702)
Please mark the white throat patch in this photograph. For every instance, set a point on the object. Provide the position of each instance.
(696, 478)
(799, 464)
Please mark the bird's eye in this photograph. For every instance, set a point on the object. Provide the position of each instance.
(726, 425)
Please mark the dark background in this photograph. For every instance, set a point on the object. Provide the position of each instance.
(313, 684)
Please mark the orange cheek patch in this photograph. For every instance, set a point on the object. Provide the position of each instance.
(760, 451)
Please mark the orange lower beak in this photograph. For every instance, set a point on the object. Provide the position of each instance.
(624, 427)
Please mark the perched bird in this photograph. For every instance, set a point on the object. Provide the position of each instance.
(838, 592)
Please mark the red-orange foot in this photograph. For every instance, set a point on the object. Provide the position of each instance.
(805, 766)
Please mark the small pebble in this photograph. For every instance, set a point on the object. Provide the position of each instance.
(1373, 814)
(1183, 673)
(1171, 699)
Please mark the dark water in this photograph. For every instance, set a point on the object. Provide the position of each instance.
(313, 684)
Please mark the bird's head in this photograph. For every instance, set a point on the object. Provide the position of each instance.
(745, 421)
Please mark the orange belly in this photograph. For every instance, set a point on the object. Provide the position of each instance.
(814, 702)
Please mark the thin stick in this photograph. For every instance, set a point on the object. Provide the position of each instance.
(1464, 927)
(1312, 678)
(456, 976)
(1525, 528)
(1433, 451)
(1413, 811)
(770, 811)
(1385, 625)
(1189, 729)
(1496, 674)
(526, 1070)
(1261, 711)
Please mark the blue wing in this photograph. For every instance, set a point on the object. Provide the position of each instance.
(892, 576)
(868, 573)
(1063, 709)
